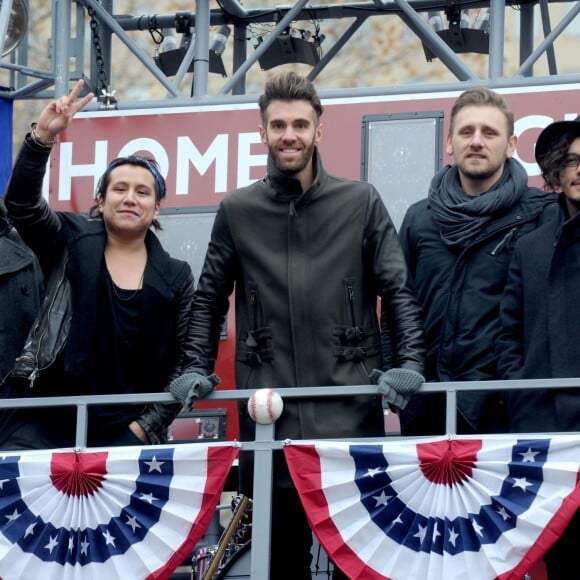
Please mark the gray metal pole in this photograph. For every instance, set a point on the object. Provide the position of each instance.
(278, 29)
(5, 9)
(201, 56)
(433, 42)
(61, 56)
(548, 42)
(82, 425)
(240, 56)
(262, 504)
(496, 38)
(146, 60)
(348, 34)
(545, 12)
(184, 66)
(526, 34)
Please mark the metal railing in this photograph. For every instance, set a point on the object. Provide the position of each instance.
(264, 443)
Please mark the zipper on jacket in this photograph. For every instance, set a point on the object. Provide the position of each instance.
(351, 299)
(504, 241)
(254, 303)
(350, 296)
(35, 372)
(292, 210)
(32, 378)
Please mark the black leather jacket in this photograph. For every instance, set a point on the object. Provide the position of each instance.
(308, 268)
(21, 291)
(167, 293)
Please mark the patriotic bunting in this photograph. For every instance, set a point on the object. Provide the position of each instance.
(438, 509)
(124, 512)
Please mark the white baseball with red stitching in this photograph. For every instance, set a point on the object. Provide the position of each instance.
(265, 406)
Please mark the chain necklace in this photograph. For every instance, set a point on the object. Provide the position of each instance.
(127, 295)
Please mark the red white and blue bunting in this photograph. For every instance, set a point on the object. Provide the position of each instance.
(124, 512)
(438, 509)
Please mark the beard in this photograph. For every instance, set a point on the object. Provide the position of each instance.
(481, 173)
(294, 166)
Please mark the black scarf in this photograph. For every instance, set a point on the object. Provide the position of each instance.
(460, 216)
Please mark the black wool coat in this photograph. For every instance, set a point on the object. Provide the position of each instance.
(460, 290)
(540, 318)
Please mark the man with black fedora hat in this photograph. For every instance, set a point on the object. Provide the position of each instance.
(540, 315)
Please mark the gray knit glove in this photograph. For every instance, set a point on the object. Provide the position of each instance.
(397, 385)
(192, 386)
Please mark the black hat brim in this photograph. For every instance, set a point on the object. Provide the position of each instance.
(553, 133)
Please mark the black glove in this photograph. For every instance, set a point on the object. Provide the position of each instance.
(397, 385)
(192, 386)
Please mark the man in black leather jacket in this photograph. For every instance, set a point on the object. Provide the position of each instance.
(21, 288)
(308, 254)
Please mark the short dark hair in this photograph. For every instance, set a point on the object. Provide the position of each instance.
(552, 162)
(136, 160)
(289, 86)
(482, 97)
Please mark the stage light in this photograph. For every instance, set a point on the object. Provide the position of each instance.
(220, 39)
(17, 25)
(171, 56)
(435, 20)
(461, 37)
(293, 46)
(483, 24)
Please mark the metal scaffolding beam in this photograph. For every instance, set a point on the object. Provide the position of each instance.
(71, 18)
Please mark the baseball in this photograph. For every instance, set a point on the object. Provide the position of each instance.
(265, 406)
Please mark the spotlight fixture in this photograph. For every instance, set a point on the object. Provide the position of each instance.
(17, 25)
(483, 24)
(460, 36)
(293, 45)
(435, 20)
(171, 56)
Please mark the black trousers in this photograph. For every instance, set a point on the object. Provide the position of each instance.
(291, 539)
(562, 558)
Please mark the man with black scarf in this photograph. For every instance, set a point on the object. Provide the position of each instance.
(458, 243)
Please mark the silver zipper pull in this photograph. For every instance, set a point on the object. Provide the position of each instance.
(32, 378)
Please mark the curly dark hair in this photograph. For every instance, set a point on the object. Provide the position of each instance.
(289, 86)
(552, 163)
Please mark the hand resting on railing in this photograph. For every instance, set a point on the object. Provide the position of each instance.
(192, 386)
(397, 385)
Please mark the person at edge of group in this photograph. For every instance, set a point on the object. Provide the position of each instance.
(457, 243)
(21, 291)
(308, 253)
(540, 316)
(116, 314)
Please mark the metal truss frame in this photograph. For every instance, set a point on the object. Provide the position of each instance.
(68, 45)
